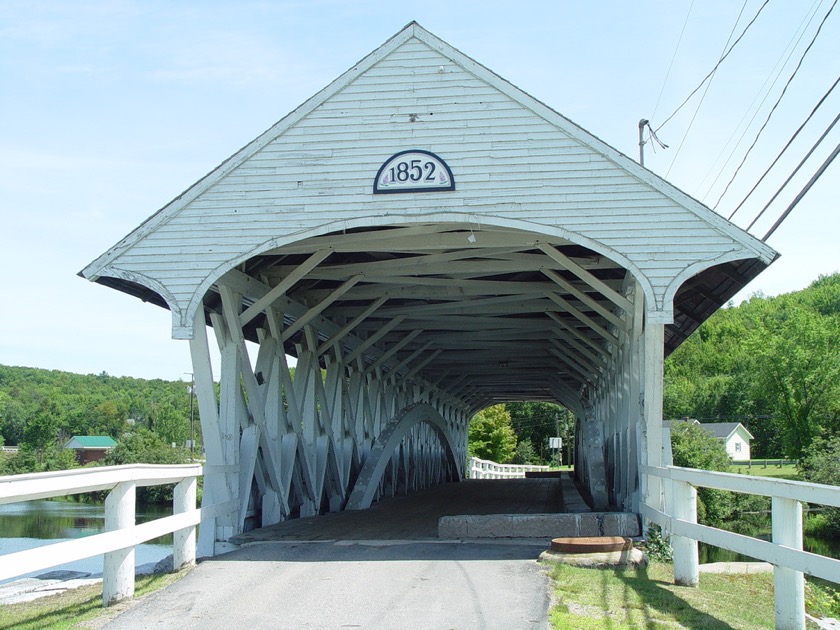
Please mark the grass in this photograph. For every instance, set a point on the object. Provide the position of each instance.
(785, 471)
(648, 598)
(77, 608)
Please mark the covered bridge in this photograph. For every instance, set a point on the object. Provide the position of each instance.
(427, 240)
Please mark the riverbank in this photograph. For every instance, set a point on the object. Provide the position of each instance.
(57, 582)
(79, 607)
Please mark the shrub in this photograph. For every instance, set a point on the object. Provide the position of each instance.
(144, 447)
(694, 447)
(823, 466)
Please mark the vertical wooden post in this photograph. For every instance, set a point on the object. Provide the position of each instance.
(183, 543)
(686, 558)
(654, 345)
(788, 585)
(118, 566)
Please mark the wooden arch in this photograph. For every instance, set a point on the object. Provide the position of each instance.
(365, 488)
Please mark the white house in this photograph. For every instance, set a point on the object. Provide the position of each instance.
(734, 435)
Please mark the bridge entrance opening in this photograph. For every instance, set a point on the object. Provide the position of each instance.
(427, 240)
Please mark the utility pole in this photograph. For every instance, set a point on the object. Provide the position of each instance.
(642, 124)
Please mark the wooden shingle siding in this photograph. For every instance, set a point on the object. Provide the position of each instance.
(508, 163)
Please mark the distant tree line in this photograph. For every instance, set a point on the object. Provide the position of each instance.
(41, 409)
(772, 364)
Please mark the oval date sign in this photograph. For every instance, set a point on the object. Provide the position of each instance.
(413, 171)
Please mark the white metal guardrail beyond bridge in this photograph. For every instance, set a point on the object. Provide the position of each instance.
(784, 551)
(485, 469)
(122, 534)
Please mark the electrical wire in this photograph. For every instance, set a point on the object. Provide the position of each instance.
(768, 84)
(769, 115)
(717, 65)
(803, 192)
(785, 148)
(705, 91)
(671, 65)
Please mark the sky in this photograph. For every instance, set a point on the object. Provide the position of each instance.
(109, 110)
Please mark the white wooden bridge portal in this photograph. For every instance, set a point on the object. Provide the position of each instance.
(427, 240)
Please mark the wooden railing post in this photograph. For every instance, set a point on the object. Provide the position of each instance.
(686, 557)
(788, 584)
(118, 566)
(183, 540)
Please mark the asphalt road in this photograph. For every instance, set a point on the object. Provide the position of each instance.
(355, 584)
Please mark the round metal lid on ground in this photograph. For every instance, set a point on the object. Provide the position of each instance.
(591, 544)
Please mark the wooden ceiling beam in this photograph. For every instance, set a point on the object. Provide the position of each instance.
(316, 310)
(570, 265)
(284, 285)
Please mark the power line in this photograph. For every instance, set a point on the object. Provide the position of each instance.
(789, 142)
(717, 65)
(706, 91)
(803, 192)
(769, 115)
(769, 82)
(671, 65)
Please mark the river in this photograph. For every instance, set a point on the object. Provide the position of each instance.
(34, 523)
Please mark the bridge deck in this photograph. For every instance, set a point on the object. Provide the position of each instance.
(416, 516)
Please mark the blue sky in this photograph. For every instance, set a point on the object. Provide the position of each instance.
(108, 110)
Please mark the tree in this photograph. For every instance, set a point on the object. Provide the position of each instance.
(491, 435)
(170, 424)
(822, 465)
(41, 431)
(694, 447)
(797, 364)
(538, 421)
(524, 453)
(145, 447)
(771, 363)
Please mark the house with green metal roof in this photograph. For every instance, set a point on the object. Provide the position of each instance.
(90, 448)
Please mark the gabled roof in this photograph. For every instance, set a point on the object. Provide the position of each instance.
(721, 430)
(91, 442)
(414, 30)
(544, 191)
(724, 430)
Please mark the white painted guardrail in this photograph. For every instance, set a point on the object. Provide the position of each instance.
(122, 534)
(485, 469)
(784, 551)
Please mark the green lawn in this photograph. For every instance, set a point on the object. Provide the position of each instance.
(786, 471)
(77, 608)
(623, 599)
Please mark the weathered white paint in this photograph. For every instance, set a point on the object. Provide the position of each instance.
(118, 566)
(789, 584)
(486, 469)
(121, 534)
(584, 327)
(385, 448)
(313, 173)
(686, 552)
(785, 550)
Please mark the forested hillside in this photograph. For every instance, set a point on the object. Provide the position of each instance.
(772, 364)
(38, 407)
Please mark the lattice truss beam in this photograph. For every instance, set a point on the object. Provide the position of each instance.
(379, 320)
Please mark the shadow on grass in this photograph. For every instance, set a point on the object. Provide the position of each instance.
(655, 596)
(42, 614)
(628, 599)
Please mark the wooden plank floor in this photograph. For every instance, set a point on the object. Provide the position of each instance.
(416, 516)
